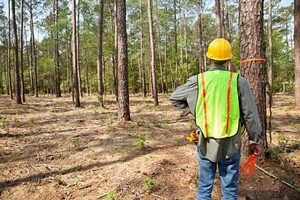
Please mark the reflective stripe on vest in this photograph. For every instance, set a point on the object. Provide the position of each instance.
(217, 109)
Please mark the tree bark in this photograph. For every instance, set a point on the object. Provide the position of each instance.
(218, 18)
(142, 63)
(74, 56)
(78, 49)
(21, 53)
(17, 69)
(297, 52)
(175, 42)
(99, 54)
(33, 52)
(201, 50)
(56, 52)
(9, 81)
(271, 69)
(252, 46)
(123, 92)
(152, 46)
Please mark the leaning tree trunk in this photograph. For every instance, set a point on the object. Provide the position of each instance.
(297, 52)
(123, 92)
(252, 53)
(152, 46)
(17, 70)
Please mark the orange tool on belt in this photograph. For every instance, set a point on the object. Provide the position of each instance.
(251, 161)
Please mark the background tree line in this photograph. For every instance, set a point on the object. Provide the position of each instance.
(46, 44)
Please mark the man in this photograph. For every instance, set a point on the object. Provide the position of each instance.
(221, 102)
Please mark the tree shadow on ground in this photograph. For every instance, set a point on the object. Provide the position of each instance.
(36, 177)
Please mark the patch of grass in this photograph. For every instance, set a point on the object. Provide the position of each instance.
(78, 142)
(141, 140)
(79, 114)
(148, 185)
(111, 119)
(109, 196)
(295, 125)
(3, 121)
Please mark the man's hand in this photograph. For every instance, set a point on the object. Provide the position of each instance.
(254, 149)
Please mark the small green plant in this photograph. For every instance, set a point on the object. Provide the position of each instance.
(141, 140)
(109, 196)
(111, 119)
(79, 114)
(148, 185)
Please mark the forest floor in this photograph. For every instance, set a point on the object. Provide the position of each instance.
(50, 150)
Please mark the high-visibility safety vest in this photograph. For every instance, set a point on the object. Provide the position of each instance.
(217, 110)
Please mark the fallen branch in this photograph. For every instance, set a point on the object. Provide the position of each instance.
(275, 177)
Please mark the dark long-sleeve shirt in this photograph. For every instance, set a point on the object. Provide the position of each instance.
(185, 98)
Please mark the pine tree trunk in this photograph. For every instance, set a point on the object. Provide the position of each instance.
(123, 92)
(56, 53)
(17, 69)
(251, 46)
(74, 56)
(271, 69)
(78, 49)
(297, 52)
(21, 54)
(175, 42)
(218, 18)
(152, 46)
(143, 74)
(115, 69)
(33, 52)
(9, 81)
(201, 50)
(99, 55)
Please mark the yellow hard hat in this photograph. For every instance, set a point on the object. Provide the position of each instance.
(219, 49)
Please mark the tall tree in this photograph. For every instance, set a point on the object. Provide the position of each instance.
(252, 53)
(175, 40)
(218, 19)
(21, 52)
(16, 47)
(33, 51)
(9, 81)
(142, 44)
(56, 51)
(123, 92)
(201, 50)
(271, 67)
(74, 56)
(99, 54)
(297, 51)
(152, 46)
